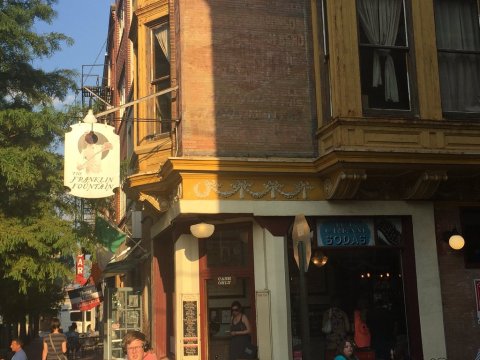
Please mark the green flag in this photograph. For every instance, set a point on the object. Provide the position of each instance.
(108, 234)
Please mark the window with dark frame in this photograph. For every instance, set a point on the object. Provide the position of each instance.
(323, 54)
(384, 55)
(471, 234)
(458, 46)
(160, 80)
(121, 19)
(122, 92)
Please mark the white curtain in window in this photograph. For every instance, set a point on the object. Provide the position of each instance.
(161, 33)
(380, 20)
(457, 28)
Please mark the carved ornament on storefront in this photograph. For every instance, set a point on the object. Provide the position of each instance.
(243, 188)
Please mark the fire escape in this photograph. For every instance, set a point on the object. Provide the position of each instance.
(97, 94)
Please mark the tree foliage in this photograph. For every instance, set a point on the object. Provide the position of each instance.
(36, 217)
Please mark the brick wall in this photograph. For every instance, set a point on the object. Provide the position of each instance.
(462, 332)
(245, 76)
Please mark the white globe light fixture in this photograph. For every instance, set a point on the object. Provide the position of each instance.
(456, 241)
(202, 230)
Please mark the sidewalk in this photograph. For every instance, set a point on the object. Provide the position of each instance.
(35, 347)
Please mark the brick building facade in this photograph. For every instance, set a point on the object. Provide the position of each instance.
(266, 110)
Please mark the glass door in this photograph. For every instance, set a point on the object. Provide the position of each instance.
(222, 291)
(124, 313)
(226, 275)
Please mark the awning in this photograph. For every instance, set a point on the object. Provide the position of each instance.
(116, 252)
(125, 258)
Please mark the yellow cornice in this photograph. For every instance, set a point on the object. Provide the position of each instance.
(237, 165)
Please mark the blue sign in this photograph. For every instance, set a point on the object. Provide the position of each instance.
(345, 233)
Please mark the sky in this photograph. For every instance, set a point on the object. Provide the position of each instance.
(86, 21)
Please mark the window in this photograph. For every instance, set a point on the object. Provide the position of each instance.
(121, 93)
(384, 55)
(458, 45)
(320, 21)
(160, 80)
(121, 20)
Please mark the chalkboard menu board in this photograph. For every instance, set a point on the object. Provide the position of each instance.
(190, 325)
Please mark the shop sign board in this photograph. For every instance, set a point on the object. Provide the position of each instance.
(190, 326)
(226, 280)
(338, 232)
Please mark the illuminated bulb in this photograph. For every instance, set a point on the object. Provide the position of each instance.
(456, 242)
(368, 275)
(319, 259)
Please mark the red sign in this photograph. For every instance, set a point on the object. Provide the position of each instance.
(477, 296)
(80, 270)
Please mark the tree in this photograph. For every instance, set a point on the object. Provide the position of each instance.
(36, 219)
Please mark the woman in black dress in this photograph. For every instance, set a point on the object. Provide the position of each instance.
(239, 331)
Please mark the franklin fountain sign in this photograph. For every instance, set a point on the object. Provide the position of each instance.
(92, 159)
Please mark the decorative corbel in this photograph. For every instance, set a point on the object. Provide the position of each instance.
(158, 203)
(425, 185)
(343, 184)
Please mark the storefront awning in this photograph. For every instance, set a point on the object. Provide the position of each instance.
(116, 252)
(125, 258)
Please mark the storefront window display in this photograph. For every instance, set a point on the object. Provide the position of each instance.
(358, 292)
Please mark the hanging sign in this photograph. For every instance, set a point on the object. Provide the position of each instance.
(85, 298)
(92, 160)
(80, 270)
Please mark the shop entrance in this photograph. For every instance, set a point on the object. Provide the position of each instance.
(358, 293)
(219, 303)
(226, 276)
(367, 288)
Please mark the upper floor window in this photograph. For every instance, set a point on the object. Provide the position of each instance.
(122, 93)
(121, 19)
(458, 45)
(160, 80)
(384, 55)
(320, 21)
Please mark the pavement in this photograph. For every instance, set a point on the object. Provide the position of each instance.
(35, 348)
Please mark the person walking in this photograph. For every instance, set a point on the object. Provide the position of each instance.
(55, 343)
(17, 347)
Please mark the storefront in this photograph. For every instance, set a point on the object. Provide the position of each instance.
(381, 262)
(359, 283)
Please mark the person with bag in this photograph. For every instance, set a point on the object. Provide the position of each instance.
(55, 343)
(240, 343)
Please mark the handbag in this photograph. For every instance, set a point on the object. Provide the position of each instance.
(62, 355)
(327, 323)
(250, 351)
